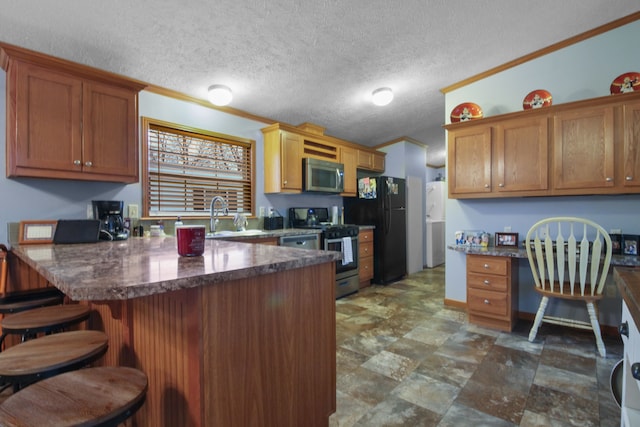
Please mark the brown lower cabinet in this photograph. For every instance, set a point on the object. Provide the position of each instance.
(365, 257)
(492, 291)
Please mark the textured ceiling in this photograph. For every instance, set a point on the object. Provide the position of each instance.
(316, 61)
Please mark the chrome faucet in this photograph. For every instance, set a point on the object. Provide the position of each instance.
(213, 212)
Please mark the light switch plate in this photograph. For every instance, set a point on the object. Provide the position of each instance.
(133, 211)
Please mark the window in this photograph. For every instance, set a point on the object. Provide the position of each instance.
(185, 168)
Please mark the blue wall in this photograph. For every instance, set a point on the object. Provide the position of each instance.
(40, 199)
(580, 71)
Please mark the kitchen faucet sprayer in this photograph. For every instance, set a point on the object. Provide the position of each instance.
(213, 212)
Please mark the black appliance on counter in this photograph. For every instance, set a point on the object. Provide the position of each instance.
(381, 202)
(109, 212)
(334, 237)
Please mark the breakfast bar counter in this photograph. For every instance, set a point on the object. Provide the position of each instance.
(241, 336)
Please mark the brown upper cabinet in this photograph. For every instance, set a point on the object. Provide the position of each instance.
(285, 146)
(68, 121)
(369, 160)
(579, 148)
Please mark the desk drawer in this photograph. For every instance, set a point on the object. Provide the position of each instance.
(487, 302)
(488, 282)
(487, 264)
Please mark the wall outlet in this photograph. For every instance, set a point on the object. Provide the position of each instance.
(544, 231)
(261, 212)
(133, 211)
(615, 231)
(507, 229)
(89, 211)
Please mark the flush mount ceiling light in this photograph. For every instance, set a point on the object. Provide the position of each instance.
(382, 96)
(220, 95)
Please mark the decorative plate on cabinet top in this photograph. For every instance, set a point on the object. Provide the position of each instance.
(537, 99)
(624, 83)
(465, 112)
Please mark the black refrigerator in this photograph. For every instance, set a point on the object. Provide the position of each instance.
(381, 202)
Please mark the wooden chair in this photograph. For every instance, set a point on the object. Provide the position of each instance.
(44, 357)
(17, 301)
(569, 259)
(104, 396)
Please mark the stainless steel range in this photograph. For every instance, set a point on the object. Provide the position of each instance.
(341, 238)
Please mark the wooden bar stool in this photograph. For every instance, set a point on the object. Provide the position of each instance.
(44, 357)
(15, 302)
(104, 396)
(45, 320)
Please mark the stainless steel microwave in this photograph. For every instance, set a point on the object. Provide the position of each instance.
(323, 176)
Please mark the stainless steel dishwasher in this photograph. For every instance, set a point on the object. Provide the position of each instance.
(302, 241)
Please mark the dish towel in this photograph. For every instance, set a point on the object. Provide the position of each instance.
(347, 251)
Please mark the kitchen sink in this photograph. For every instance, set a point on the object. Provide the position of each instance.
(229, 233)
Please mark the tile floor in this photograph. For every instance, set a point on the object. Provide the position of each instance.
(404, 359)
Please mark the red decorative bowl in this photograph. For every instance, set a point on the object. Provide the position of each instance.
(537, 99)
(466, 111)
(627, 82)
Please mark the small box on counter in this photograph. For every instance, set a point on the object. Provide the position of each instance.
(273, 223)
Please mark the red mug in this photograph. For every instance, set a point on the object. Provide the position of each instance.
(190, 240)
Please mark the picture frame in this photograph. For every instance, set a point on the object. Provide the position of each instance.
(616, 244)
(629, 244)
(506, 240)
(32, 232)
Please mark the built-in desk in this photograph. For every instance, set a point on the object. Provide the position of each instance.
(242, 336)
(492, 283)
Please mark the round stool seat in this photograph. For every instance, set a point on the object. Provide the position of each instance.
(44, 357)
(45, 319)
(88, 397)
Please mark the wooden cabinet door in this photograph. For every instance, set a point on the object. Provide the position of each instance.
(291, 161)
(631, 153)
(469, 152)
(348, 159)
(365, 159)
(110, 146)
(44, 121)
(583, 149)
(378, 162)
(521, 155)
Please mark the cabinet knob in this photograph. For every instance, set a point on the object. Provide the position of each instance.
(635, 370)
(501, 185)
(623, 329)
(609, 179)
(486, 266)
(486, 282)
(88, 164)
(487, 302)
(77, 162)
(284, 182)
(486, 186)
(628, 178)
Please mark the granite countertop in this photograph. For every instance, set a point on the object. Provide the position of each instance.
(628, 282)
(616, 260)
(150, 265)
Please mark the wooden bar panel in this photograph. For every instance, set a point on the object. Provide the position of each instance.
(162, 345)
(271, 342)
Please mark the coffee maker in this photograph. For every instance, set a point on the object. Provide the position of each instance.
(109, 212)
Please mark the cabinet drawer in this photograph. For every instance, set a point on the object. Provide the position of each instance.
(366, 269)
(488, 282)
(487, 264)
(365, 236)
(366, 249)
(487, 302)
